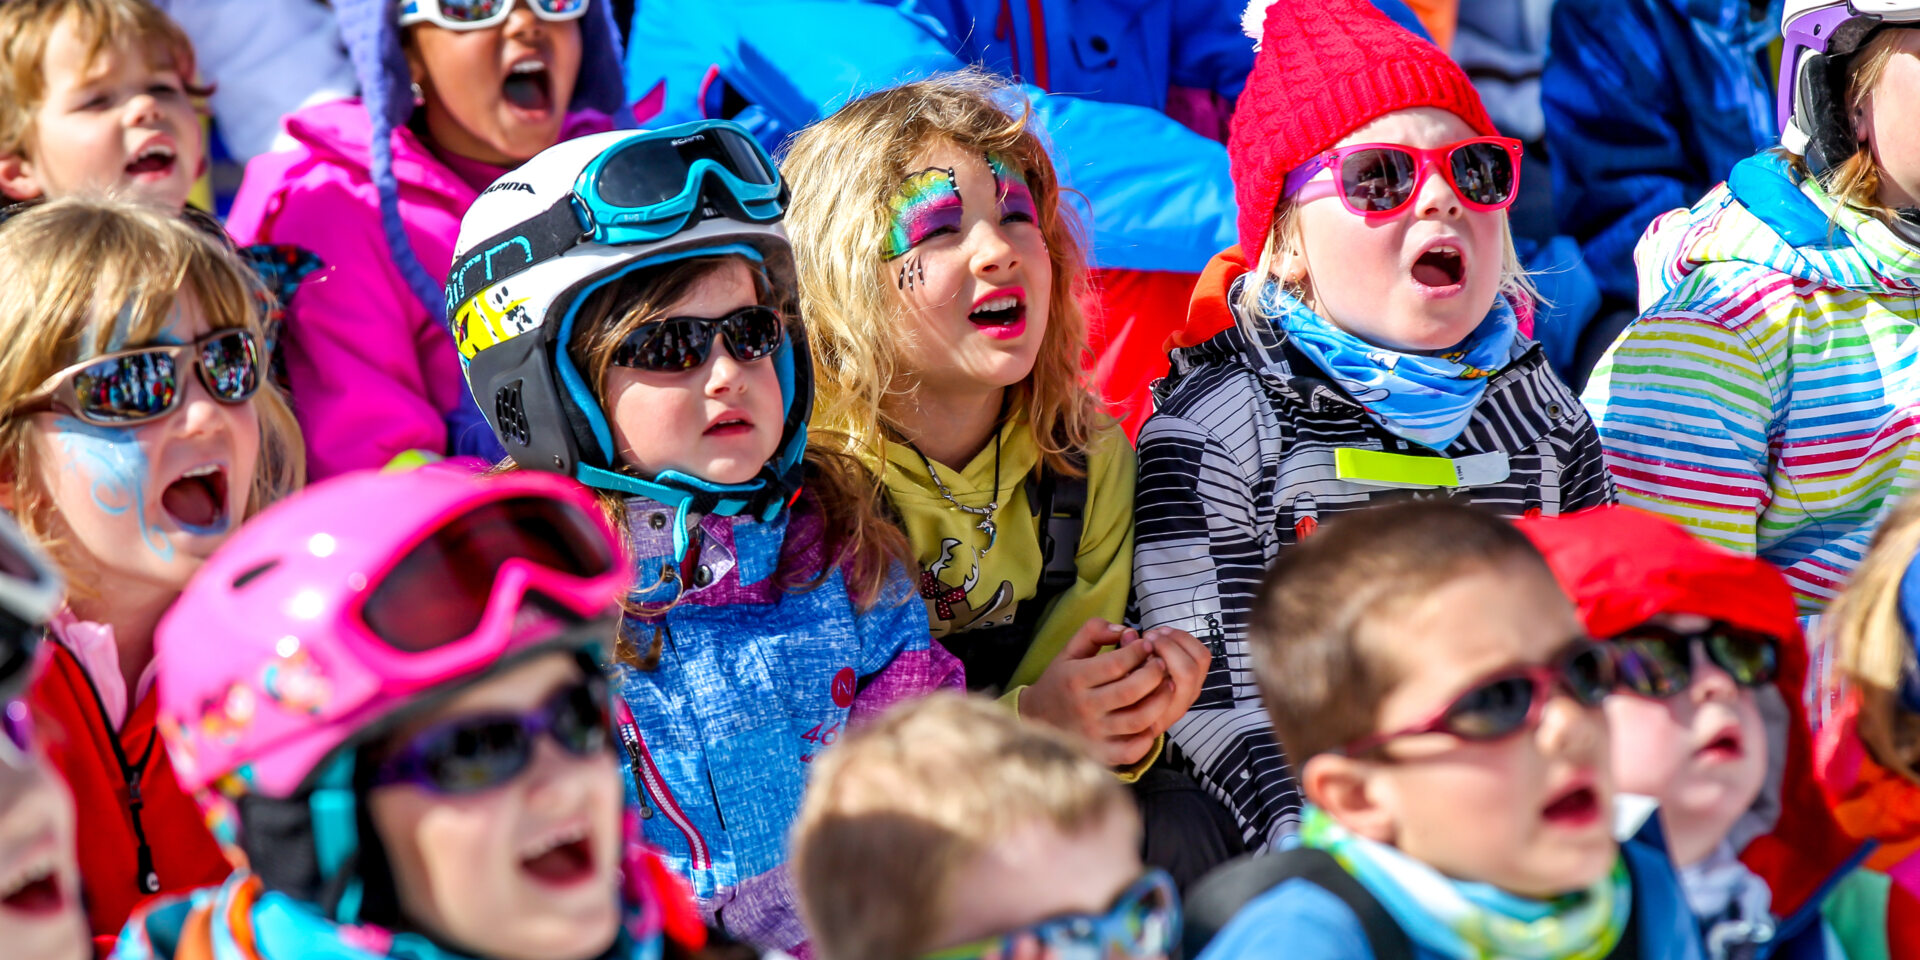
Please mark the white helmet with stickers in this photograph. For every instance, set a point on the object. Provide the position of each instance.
(582, 215)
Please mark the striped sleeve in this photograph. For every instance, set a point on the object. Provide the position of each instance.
(1198, 561)
(1686, 411)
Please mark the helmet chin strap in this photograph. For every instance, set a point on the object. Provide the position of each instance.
(336, 836)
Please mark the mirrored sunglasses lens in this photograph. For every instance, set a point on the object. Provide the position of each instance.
(1589, 674)
(1751, 660)
(472, 11)
(477, 755)
(561, 7)
(232, 364)
(1377, 181)
(753, 333)
(1148, 921)
(668, 346)
(1656, 668)
(578, 719)
(1483, 173)
(135, 387)
(1492, 710)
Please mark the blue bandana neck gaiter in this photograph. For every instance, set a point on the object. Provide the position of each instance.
(1424, 398)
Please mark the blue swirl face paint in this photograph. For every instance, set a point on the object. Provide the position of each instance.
(116, 469)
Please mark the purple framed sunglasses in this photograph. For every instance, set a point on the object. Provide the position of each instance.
(483, 751)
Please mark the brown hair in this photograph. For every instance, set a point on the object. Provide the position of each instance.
(1871, 644)
(900, 807)
(70, 270)
(27, 25)
(858, 537)
(844, 170)
(1321, 665)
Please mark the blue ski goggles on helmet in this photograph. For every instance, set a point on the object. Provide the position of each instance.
(644, 189)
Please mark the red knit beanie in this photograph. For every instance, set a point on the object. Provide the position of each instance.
(1326, 68)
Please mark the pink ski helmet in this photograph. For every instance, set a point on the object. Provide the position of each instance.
(326, 616)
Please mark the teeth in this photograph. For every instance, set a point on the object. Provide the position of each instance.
(528, 66)
(26, 877)
(162, 152)
(998, 303)
(206, 471)
(572, 834)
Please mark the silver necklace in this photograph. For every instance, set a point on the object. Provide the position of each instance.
(986, 524)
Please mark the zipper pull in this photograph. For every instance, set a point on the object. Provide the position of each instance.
(630, 739)
(143, 855)
(1216, 641)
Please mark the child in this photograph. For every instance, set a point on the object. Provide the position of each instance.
(655, 355)
(1868, 752)
(383, 693)
(135, 432)
(96, 96)
(40, 913)
(1367, 344)
(939, 276)
(1760, 396)
(950, 829)
(376, 189)
(1711, 724)
(1461, 783)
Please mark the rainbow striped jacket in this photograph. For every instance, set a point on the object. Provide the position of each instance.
(1768, 396)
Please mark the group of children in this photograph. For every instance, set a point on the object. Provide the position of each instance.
(747, 458)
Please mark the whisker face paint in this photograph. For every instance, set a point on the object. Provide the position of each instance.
(1015, 196)
(926, 203)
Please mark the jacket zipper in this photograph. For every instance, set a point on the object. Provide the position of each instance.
(130, 776)
(654, 786)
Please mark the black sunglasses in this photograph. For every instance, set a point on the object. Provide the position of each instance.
(1654, 661)
(1507, 702)
(481, 752)
(678, 344)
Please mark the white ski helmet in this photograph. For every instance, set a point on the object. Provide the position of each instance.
(1819, 38)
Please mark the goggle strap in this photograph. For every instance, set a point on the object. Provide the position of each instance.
(533, 241)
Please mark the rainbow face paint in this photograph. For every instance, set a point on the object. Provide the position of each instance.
(1016, 198)
(926, 203)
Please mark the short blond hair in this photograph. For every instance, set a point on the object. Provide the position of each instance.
(896, 810)
(26, 26)
(72, 271)
(1870, 642)
(844, 170)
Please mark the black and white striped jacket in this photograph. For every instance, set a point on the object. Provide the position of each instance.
(1237, 463)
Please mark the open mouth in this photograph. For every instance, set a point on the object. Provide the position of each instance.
(34, 890)
(1577, 807)
(197, 501)
(561, 860)
(1443, 266)
(1725, 746)
(1001, 311)
(156, 159)
(529, 86)
(729, 427)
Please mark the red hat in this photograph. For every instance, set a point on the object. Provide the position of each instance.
(1326, 68)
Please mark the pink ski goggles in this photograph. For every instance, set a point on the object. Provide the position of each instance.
(1381, 179)
(485, 578)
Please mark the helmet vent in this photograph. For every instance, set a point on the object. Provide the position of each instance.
(510, 416)
(251, 574)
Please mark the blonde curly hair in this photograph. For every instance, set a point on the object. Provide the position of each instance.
(844, 170)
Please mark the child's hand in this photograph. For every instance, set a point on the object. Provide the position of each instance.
(1187, 660)
(1114, 700)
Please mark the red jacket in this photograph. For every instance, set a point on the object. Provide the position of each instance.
(119, 840)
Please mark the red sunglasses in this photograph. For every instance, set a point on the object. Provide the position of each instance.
(1510, 701)
(1380, 179)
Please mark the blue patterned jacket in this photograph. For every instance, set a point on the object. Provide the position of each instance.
(753, 681)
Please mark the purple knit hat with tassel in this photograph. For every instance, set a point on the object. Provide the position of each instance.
(371, 31)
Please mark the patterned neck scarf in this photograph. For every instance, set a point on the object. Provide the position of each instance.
(1475, 921)
(1424, 398)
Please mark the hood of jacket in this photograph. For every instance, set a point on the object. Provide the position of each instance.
(1621, 567)
(1766, 216)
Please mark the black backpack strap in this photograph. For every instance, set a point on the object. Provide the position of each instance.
(1219, 895)
(1059, 507)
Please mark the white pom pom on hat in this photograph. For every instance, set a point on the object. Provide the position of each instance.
(1253, 20)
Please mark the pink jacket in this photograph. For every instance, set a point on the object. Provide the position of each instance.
(373, 372)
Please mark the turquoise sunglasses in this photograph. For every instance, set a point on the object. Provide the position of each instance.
(1143, 923)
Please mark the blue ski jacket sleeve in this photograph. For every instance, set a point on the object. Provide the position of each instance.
(1157, 195)
(1649, 103)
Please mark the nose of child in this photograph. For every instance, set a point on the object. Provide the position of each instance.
(1436, 198)
(725, 375)
(993, 252)
(556, 783)
(1569, 731)
(1710, 682)
(522, 25)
